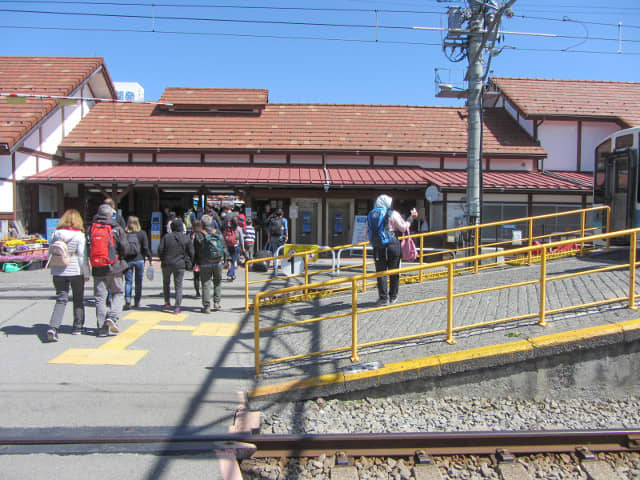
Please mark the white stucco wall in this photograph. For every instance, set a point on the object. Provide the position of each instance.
(424, 162)
(215, 157)
(25, 165)
(511, 164)
(106, 157)
(6, 196)
(51, 133)
(560, 140)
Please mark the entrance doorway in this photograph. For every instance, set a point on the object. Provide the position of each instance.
(307, 222)
(339, 219)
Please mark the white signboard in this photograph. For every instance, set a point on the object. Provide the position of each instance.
(360, 229)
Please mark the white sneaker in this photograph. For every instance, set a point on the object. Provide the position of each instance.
(113, 327)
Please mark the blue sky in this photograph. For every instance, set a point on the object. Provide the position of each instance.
(398, 69)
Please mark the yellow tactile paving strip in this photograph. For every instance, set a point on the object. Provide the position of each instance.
(438, 361)
(114, 351)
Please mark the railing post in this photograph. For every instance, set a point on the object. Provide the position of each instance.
(246, 285)
(256, 334)
(583, 221)
(632, 270)
(306, 276)
(421, 276)
(608, 226)
(529, 254)
(543, 287)
(354, 321)
(450, 339)
(476, 235)
(364, 267)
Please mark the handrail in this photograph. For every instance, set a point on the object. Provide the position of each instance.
(449, 265)
(420, 238)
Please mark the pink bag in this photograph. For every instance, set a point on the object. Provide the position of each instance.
(409, 250)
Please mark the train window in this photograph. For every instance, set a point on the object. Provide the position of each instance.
(624, 141)
(622, 180)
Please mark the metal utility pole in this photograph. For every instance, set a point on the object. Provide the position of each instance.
(483, 18)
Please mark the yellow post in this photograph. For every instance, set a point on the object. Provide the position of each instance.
(476, 233)
(450, 339)
(364, 267)
(583, 221)
(529, 253)
(354, 321)
(632, 271)
(246, 285)
(256, 334)
(608, 226)
(543, 287)
(306, 277)
(421, 257)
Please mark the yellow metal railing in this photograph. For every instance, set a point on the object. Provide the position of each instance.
(422, 238)
(450, 328)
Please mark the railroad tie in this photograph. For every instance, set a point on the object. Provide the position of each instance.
(427, 472)
(344, 472)
(513, 471)
(598, 470)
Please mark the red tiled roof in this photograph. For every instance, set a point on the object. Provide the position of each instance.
(42, 76)
(215, 96)
(573, 98)
(300, 127)
(301, 176)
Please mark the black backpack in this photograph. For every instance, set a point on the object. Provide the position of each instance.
(134, 244)
(276, 227)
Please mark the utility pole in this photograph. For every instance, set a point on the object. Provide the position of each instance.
(483, 18)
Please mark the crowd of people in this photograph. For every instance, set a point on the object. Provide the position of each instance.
(116, 254)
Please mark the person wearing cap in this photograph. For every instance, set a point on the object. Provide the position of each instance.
(108, 281)
(176, 256)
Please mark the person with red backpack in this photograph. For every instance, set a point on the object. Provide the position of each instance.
(234, 240)
(107, 252)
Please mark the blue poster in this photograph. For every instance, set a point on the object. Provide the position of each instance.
(337, 223)
(306, 222)
(51, 224)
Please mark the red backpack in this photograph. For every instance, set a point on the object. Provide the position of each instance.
(230, 236)
(103, 249)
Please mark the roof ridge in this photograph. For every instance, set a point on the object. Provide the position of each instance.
(565, 80)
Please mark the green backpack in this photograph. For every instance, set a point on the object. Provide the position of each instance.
(213, 246)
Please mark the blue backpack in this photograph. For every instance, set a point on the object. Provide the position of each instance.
(378, 226)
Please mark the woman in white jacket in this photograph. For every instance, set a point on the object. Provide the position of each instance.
(70, 230)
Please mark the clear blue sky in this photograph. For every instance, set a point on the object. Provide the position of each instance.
(322, 70)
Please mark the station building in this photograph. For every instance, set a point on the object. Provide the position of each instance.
(324, 163)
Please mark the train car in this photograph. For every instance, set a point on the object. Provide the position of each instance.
(615, 179)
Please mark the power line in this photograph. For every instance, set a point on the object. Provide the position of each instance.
(220, 34)
(567, 19)
(247, 7)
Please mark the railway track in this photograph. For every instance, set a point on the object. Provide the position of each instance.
(506, 455)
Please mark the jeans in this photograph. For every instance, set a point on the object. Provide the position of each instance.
(211, 277)
(232, 253)
(112, 285)
(136, 268)
(62, 284)
(388, 258)
(178, 276)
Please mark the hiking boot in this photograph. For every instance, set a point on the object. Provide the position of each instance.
(77, 329)
(206, 310)
(177, 311)
(393, 300)
(52, 335)
(103, 331)
(127, 306)
(382, 301)
(111, 325)
(217, 306)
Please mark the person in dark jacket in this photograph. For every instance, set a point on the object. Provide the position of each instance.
(210, 270)
(109, 280)
(176, 256)
(140, 243)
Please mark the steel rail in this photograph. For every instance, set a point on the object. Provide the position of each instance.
(367, 444)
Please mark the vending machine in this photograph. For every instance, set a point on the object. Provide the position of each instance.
(156, 230)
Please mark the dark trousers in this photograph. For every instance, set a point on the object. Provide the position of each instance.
(178, 276)
(388, 258)
(62, 285)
